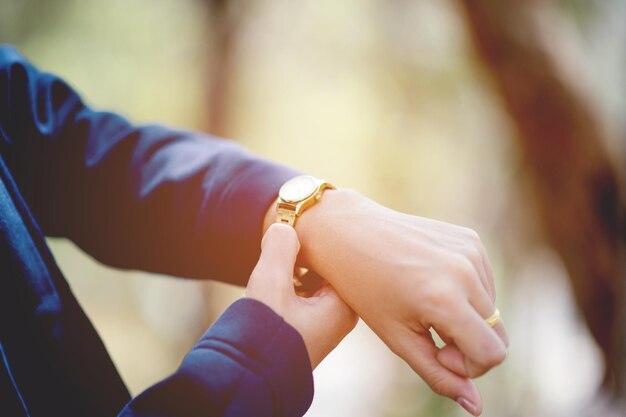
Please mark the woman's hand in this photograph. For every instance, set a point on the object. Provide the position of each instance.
(322, 319)
(404, 275)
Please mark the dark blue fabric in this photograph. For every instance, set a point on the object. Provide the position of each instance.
(150, 198)
(51, 353)
(249, 363)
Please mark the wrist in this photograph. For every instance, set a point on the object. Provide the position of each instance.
(321, 226)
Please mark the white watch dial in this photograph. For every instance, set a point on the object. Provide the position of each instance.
(298, 188)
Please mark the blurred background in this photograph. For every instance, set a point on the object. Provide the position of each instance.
(505, 116)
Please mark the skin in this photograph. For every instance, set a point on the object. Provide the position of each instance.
(404, 275)
(322, 318)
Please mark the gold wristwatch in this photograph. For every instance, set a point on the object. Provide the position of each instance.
(294, 197)
(297, 195)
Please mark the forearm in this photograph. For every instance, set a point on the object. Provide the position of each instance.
(141, 197)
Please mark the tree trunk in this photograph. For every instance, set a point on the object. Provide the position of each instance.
(225, 18)
(577, 187)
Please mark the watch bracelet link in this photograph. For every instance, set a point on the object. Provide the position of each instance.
(285, 213)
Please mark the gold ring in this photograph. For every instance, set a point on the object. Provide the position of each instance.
(494, 318)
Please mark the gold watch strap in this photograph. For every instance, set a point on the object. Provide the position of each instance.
(286, 214)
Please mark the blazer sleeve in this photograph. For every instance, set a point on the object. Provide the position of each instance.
(249, 363)
(149, 197)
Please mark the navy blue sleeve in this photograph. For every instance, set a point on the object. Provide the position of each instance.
(249, 363)
(152, 198)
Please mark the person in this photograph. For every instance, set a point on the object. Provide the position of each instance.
(196, 206)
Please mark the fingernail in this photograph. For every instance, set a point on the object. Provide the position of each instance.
(467, 405)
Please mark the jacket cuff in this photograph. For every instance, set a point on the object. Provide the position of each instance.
(268, 346)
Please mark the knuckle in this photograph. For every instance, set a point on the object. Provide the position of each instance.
(394, 346)
(436, 307)
(472, 235)
(440, 295)
(473, 252)
(499, 357)
(463, 268)
(494, 356)
(437, 382)
(397, 344)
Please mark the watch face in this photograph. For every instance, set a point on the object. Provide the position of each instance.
(298, 188)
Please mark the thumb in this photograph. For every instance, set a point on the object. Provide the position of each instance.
(279, 249)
